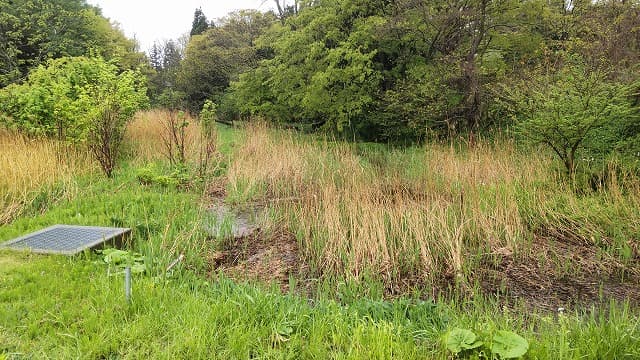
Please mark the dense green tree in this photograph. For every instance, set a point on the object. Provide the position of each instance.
(405, 69)
(33, 31)
(215, 58)
(166, 60)
(323, 71)
(155, 56)
(381, 69)
(567, 110)
(61, 99)
(288, 9)
(171, 58)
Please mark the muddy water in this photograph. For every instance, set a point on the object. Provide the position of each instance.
(223, 221)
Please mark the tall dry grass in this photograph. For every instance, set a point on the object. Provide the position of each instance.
(29, 166)
(147, 136)
(403, 215)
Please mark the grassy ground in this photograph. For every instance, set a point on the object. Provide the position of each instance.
(73, 309)
(56, 307)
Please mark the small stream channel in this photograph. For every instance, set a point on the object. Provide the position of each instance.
(222, 221)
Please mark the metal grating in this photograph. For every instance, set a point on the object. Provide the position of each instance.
(65, 239)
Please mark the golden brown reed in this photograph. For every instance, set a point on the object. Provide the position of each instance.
(27, 165)
(147, 132)
(413, 214)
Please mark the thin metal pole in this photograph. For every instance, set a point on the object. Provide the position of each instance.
(127, 284)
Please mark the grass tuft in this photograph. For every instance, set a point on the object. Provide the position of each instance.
(36, 172)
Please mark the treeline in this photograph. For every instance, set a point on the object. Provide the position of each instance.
(382, 69)
(562, 73)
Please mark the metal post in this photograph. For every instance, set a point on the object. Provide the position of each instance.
(127, 284)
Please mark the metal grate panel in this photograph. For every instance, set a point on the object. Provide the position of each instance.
(65, 239)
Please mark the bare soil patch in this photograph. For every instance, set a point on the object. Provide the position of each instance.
(557, 273)
(264, 257)
(561, 272)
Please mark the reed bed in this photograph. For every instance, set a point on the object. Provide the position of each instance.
(32, 168)
(415, 215)
(147, 136)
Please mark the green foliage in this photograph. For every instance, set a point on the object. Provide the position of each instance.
(120, 259)
(111, 102)
(151, 174)
(216, 57)
(208, 117)
(323, 71)
(66, 97)
(504, 344)
(459, 340)
(147, 174)
(508, 345)
(564, 112)
(200, 23)
(375, 70)
(165, 59)
(78, 100)
(172, 99)
(420, 105)
(34, 31)
(406, 70)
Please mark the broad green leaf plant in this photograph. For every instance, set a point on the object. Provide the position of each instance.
(501, 344)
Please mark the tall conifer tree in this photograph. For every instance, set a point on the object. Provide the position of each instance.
(200, 23)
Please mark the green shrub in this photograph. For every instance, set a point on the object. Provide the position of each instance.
(146, 175)
(179, 177)
(575, 112)
(79, 100)
(66, 97)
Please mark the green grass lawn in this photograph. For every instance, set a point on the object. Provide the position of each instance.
(57, 307)
(53, 307)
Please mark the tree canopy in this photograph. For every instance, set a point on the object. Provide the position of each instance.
(200, 23)
(404, 69)
(216, 57)
(60, 98)
(34, 31)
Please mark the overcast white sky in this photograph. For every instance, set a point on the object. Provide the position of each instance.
(150, 20)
